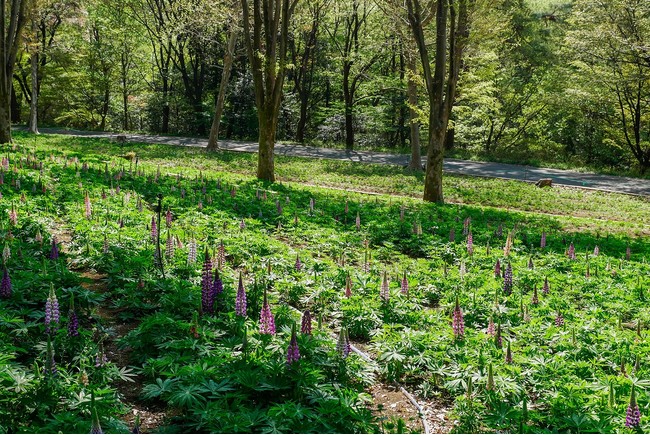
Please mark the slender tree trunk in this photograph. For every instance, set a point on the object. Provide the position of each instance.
(213, 141)
(412, 93)
(302, 121)
(265, 157)
(5, 117)
(33, 106)
(435, 155)
(348, 101)
(16, 117)
(125, 93)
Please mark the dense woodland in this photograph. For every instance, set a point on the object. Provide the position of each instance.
(545, 80)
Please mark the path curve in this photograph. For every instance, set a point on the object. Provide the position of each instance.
(609, 183)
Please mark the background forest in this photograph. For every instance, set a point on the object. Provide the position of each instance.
(542, 81)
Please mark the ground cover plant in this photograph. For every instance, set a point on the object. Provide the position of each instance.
(235, 291)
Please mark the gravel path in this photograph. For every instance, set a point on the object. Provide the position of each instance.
(611, 183)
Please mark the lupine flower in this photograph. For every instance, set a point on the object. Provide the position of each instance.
(5, 285)
(508, 354)
(267, 321)
(278, 206)
(507, 280)
(233, 192)
(358, 222)
(13, 215)
(571, 253)
(298, 264)
(463, 269)
(490, 380)
(6, 253)
(535, 299)
(348, 286)
(221, 254)
(51, 312)
(508, 245)
(89, 211)
(500, 231)
(305, 324)
(343, 344)
(100, 359)
(39, 237)
(466, 226)
(458, 323)
(207, 303)
(530, 263)
(628, 252)
(240, 301)
(559, 320)
(54, 252)
(587, 274)
(405, 285)
(498, 341)
(490, 328)
(470, 243)
(169, 247)
(384, 293)
(366, 263)
(311, 205)
(293, 352)
(546, 287)
(526, 315)
(542, 242)
(452, 235)
(191, 252)
(154, 229)
(217, 284)
(497, 269)
(596, 251)
(633, 415)
(73, 321)
(168, 218)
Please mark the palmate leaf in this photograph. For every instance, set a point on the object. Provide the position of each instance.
(188, 396)
(159, 388)
(215, 390)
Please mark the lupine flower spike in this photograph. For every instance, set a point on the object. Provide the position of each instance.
(542, 242)
(470, 243)
(633, 415)
(51, 312)
(305, 325)
(405, 284)
(343, 345)
(298, 264)
(293, 352)
(191, 252)
(490, 380)
(384, 292)
(348, 286)
(531, 266)
(497, 269)
(546, 287)
(498, 341)
(458, 323)
(507, 280)
(89, 211)
(535, 299)
(54, 252)
(571, 253)
(5, 285)
(358, 222)
(207, 303)
(596, 251)
(13, 215)
(628, 252)
(168, 218)
(73, 321)
(559, 320)
(267, 321)
(508, 354)
(154, 229)
(240, 301)
(490, 328)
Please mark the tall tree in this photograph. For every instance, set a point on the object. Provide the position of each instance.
(266, 38)
(451, 31)
(12, 22)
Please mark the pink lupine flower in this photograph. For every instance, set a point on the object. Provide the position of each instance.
(305, 324)
(542, 242)
(267, 321)
(571, 253)
(633, 415)
(405, 285)
(470, 243)
(497, 269)
(240, 301)
(490, 328)
(458, 323)
(154, 229)
(546, 287)
(384, 293)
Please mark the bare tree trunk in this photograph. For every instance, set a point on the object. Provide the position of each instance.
(213, 141)
(412, 93)
(33, 106)
(5, 117)
(265, 157)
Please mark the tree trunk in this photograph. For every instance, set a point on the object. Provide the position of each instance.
(213, 141)
(33, 106)
(349, 129)
(302, 121)
(265, 157)
(433, 177)
(5, 118)
(412, 93)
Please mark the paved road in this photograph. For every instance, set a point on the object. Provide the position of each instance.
(482, 169)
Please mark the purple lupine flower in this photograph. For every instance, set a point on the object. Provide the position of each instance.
(207, 303)
(154, 229)
(217, 284)
(240, 300)
(497, 269)
(535, 299)
(13, 215)
(571, 253)
(343, 344)
(546, 287)
(458, 323)
(100, 359)
(559, 320)
(73, 321)
(628, 252)
(470, 243)
(293, 352)
(405, 285)
(298, 264)
(596, 251)
(191, 252)
(358, 222)
(384, 293)
(89, 210)
(5, 285)
(633, 415)
(507, 280)
(267, 321)
(508, 354)
(51, 312)
(305, 324)
(452, 235)
(490, 328)
(168, 218)
(242, 224)
(348, 286)
(530, 263)
(542, 242)
(54, 252)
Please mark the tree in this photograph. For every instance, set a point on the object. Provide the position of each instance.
(610, 41)
(451, 25)
(12, 22)
(266, 44)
